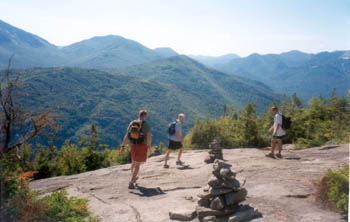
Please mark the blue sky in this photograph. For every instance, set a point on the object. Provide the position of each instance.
(199, 27)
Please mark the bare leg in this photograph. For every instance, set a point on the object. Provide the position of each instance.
(279, 146)
(166, 157)
(179, 154)
(273, 142)
(136, 171)
(132, 167)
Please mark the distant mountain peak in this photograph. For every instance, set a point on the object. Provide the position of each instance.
(12, 37)
(165, 52)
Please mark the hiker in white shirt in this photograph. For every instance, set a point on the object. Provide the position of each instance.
(278, 134)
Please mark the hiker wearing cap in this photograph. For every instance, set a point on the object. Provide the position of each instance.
(175, 140)
(278, 134)
(140, 137)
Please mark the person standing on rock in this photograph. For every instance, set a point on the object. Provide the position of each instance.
(278, 134)
(176, 141)
(139, 134)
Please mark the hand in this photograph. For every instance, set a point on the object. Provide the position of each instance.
(270, 130)
(122, 149)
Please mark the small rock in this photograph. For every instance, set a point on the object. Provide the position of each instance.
(204, 212)
(204, 202)
(245, 213)
(215, 182)
(188, 198)
(205, 195)
(236, 197)
(209, 219)
(231, 184)
(183, 216)
(219, 191)
(217, 203)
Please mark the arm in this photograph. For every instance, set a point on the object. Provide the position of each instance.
(277, 128)
(179, 136)
(149, 140)
(125, 140)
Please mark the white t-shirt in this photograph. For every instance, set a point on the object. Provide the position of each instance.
(278, 119)
(178, 128)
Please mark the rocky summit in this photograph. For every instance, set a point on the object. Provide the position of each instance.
(281, 189)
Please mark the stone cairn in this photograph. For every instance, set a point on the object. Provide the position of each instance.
(215, 152)
(223, 196)
(156, 152)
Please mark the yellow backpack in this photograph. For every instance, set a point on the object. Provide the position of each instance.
(135, 133)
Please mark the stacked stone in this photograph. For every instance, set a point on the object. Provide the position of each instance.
(215, 152)
(156, 152)
(223, 196)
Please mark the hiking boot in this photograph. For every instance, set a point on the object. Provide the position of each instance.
(180, 163)
(131, 185)
(271, 155)
(166, 166)
(279, 155)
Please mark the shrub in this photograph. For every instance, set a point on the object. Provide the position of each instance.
(70, 160)
(115, 157)
(64, 208)
(339, 188)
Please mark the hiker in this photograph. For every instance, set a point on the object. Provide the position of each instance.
(176, 141)
(278, 134)
(139, 134)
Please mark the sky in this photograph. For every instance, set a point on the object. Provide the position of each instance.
(196, 27)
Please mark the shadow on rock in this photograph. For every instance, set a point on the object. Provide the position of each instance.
(329, 147)
(148, 192)
(185, 167)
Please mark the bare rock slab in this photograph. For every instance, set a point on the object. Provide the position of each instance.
(183, 216)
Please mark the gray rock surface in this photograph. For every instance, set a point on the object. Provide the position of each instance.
(273, 185)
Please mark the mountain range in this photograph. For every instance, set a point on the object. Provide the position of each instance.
(306, 74)
(105, 80)
(111, 99)
(104, 52)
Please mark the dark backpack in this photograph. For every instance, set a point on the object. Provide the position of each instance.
(135, 133)
(286, 122)
(172, 128)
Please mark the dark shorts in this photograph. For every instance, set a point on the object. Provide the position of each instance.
(174, 145)
(279, 137)
(139, 152)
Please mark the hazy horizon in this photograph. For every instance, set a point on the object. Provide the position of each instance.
(191, 27)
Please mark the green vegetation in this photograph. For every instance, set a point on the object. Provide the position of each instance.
(165, 88)
(19, 203)
(338, 193)
(322, 121)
